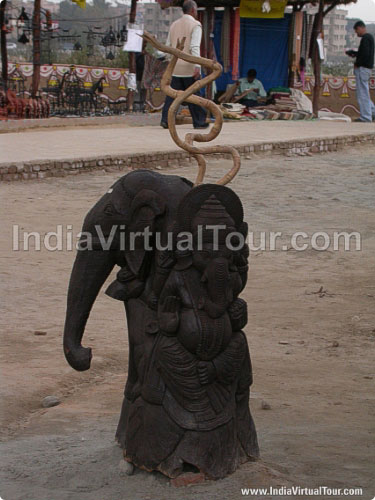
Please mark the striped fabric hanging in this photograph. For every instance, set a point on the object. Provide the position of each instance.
(225, 39)
(235, 42)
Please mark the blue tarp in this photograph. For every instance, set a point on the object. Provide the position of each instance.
(263, 46)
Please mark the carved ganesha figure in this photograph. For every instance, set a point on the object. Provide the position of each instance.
(186, 401)
(198, 368)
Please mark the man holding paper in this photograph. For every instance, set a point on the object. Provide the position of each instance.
(363, 66)
(186, 73)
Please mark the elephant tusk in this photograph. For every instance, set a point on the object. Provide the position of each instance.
(180, 96)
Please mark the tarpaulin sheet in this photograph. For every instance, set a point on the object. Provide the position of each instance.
(263, 46)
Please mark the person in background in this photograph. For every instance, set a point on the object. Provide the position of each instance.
(249, 89)
(185, 74)
(363, 66)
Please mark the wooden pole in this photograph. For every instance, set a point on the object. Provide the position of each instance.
(316, 56)
(3, 41)
(210, 48)
(132, 63)
(36, 48)
(292, 75)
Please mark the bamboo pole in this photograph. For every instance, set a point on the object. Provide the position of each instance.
(36, 48)
(316, 57)
(132, 60)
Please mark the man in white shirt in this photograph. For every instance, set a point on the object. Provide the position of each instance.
(186, 73)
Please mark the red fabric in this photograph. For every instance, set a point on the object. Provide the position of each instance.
(248, 113)
(235, 43)
(225, 45)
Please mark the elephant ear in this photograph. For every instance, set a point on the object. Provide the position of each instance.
(145, 208)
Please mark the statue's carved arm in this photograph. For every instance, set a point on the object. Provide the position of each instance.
(228, 363)
(169, 307)
(238, 314)
(169, 317)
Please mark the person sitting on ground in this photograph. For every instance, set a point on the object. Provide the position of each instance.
(249, 89)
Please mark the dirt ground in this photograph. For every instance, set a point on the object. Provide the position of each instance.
(311, 333)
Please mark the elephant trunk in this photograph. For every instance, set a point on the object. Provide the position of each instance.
(90, 270)
(220, 293)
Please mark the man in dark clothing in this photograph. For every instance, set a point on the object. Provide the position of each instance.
(364, 63)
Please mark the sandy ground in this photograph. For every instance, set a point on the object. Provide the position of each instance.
(313, 353)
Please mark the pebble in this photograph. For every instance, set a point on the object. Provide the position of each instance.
(50, 401)
(265, 405)
(159, 167)
(39, 332)
(282, 342)
(126, 468)
(335, 343)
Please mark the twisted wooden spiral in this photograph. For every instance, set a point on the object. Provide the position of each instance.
(180, 96)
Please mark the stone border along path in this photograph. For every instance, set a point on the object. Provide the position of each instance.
(159, 160)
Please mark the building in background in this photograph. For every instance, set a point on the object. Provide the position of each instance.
(157, 21)
(335, 33)
(352, 40)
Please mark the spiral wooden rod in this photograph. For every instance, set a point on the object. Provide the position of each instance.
(188, 96)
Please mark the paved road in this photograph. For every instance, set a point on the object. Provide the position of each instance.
(77, 142)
